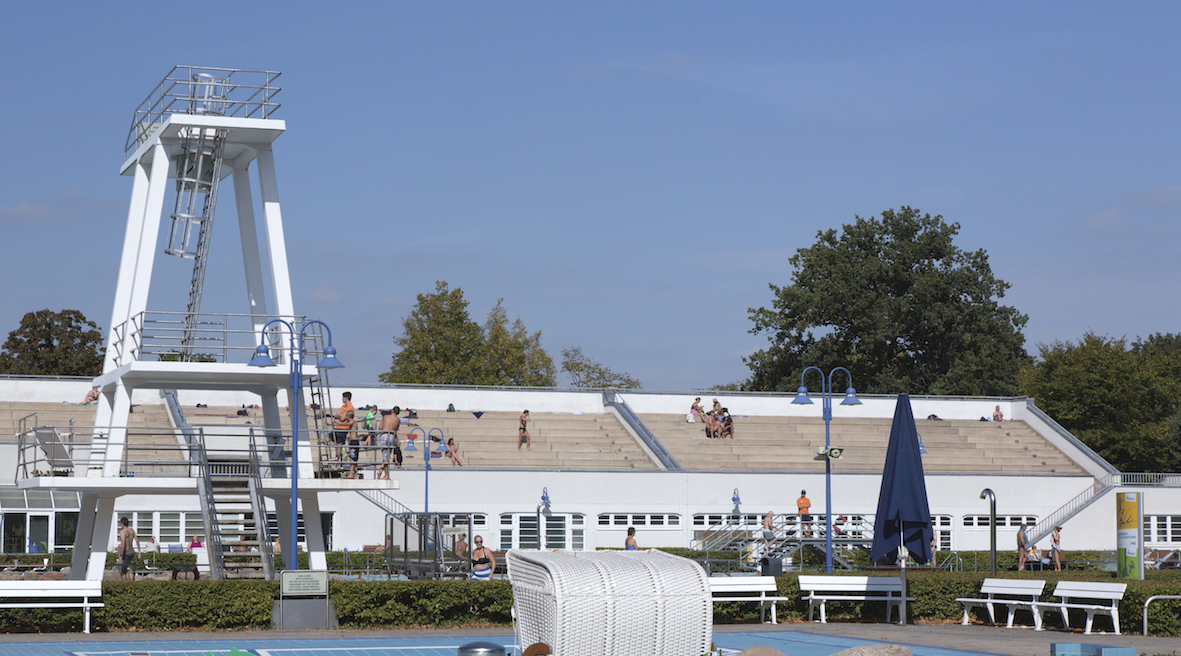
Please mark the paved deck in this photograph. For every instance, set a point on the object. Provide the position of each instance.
(793, 639)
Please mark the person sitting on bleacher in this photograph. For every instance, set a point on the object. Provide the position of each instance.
(726, 424)
(91, 396)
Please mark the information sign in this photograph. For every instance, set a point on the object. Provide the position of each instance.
(303, 582)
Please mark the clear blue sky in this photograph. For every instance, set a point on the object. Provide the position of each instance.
(629, 177)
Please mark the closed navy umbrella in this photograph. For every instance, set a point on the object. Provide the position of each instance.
(902, 504)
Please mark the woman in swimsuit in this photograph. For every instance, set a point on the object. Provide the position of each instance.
(696, 410)
(453, 452)
(630, 543)
(483, 561)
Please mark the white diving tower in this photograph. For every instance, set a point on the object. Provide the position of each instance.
(199, 126)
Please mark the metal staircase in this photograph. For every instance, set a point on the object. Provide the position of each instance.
(234, 512)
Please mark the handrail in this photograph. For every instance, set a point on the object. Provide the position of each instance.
(1080, 501)
(209, 512)
(261, 525)
(666, 460)
(1149, 601)
(203, 90)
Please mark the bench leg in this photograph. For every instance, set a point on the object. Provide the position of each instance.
(86, 616)
(1090, 618)
(965, 622)
(1065, 618)
(1115, 619)
(811, 606)
(823, 617)
(773, 621)
(991, 613)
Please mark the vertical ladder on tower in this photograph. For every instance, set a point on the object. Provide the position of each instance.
(198, 173)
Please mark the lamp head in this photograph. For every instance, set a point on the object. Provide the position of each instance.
(329, 360)
(262, 357)
(735, 499)
(545, 496)
(851, 397)
(442, 448)
(802, 396)
(410, 443)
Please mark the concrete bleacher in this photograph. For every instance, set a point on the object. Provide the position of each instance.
(788, 444)
(559, 441)
(600, 441)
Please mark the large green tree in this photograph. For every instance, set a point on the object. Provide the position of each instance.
(899, 305)
(1119, 401)
(512, 355)
(440, 344)
(585, 373)
(51, 343)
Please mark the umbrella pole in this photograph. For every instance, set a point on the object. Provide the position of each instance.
(902, 554)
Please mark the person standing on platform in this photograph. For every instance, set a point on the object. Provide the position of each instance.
(768, 530)
(388, 438)
(803, 506)
(341, 435)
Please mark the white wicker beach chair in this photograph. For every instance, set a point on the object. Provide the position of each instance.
(601, 603)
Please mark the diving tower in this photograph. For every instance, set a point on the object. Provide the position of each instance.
(196, 128)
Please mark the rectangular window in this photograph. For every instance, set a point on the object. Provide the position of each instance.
(195, 526)
(621, 520)
(639, 520)
(170, 528)
(64, 529)
(604, 520)
(656, 520)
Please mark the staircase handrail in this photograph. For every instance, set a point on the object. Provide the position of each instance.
(263, 527)
(209, 511)
(1098, 487)
(665, 458)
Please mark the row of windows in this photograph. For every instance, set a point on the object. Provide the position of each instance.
(639, 519)
(1162, 528)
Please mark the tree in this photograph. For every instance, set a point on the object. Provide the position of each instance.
(49, 343)
(899, 305)
(512, 356)
(440, 344)
(587, 374)
(1117, 401)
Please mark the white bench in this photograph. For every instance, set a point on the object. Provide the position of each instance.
(720, 587)
(33, 594)
(822, 589)
(1109, 594)
(1019, 593)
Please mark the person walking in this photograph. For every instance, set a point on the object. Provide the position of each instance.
(1022, 548)
(126, 550)
(483, 561)
(523, 432)
(1056, 548)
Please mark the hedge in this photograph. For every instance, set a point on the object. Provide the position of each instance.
(247, 604)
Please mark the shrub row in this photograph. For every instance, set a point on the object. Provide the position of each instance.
(247, 604)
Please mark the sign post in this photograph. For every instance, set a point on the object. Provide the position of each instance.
(303, 600)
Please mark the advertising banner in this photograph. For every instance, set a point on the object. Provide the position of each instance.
(1129, 563)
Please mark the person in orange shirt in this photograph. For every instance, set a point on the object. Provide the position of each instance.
(803, 506)
(342, 423)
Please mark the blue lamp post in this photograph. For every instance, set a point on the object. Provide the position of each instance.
(262, 358)
(850, 399)
(543, 506)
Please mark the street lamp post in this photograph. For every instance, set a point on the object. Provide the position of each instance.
(544, 505)
(826, 396)
(262, 358)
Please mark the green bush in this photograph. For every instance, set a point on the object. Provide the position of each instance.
(247, 604)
